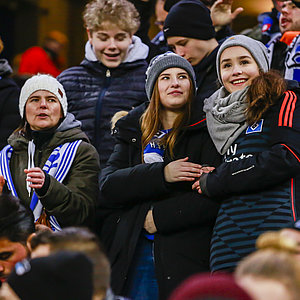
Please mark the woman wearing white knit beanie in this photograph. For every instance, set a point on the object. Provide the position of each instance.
(48, 162)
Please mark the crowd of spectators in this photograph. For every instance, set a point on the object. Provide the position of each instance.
(155, 169)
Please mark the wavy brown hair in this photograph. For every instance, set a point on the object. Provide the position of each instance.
(264, 91)
(151, 120)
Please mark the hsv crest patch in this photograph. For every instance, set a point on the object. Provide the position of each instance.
(256, 127)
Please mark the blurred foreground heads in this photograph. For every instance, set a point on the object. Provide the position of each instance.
(272, 272)
(63, 275)
(210, 287)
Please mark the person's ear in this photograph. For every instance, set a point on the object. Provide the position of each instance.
(89, 33)
(28, 242)
(2, 183)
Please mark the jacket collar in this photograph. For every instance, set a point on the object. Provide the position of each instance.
(136, 51)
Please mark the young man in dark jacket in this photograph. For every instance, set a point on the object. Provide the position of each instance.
(190, 32)
(112, 75)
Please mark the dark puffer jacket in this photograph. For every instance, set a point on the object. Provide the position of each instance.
(9, 103)
(95, 93)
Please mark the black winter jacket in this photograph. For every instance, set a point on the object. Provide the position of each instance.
(9, 103)
(95, 93)
(184, 219)
(206, 76)
(259, 181)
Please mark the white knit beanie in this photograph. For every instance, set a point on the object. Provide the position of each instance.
(42, 82)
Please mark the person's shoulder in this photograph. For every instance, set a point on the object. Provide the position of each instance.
(293, 89)
(132, 119)
(140, 64)
(72, 71)
(288, 106)
(86, 147)
(35, 50)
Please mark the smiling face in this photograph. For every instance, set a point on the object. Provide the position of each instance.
(10, 254)
(110, 44)
(237, 68)
(43, 110)
(174, 88)
(290, 17)
(193, 50)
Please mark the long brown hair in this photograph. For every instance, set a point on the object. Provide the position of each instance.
(151, 120)
(22, 128)
(264, 92)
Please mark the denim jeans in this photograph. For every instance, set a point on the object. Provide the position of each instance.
(142, 283)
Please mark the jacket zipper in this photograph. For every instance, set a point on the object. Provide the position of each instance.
(99, 108)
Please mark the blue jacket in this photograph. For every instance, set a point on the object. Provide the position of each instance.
(259, 182)
(95, 93)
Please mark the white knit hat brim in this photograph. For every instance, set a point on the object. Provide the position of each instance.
(42, 82)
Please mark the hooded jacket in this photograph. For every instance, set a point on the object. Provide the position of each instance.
(95, 93)
(9, 103)
(184, 219)
(72, 202)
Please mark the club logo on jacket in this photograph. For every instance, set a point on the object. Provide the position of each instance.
(256, 127)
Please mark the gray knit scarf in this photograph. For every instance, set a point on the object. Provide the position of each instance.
(225, 115)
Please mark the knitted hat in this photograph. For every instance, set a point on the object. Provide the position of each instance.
(207, 286)
(63, 275)
(42, 82)
(165, 61)
(189, 18)
(257, 50)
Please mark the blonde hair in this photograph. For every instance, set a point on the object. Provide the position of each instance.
(151, 120)
(119, 12)
(117, 116)
(276, 241)
(272, 264)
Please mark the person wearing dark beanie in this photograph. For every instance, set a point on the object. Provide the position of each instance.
(189, 18)
(190, 33)
(60, 276)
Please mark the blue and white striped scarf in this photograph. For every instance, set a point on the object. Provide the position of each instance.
(57, 165)
(154, 152)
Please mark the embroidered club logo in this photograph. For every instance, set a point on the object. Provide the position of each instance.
(266, 27)
(256, 127)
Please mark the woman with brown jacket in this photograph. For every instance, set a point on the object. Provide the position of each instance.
(49, 163)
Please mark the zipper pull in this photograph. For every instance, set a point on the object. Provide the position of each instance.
(107, 73)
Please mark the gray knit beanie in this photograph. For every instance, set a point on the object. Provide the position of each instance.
(42, 82)
(257, 50)
(165, 61)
